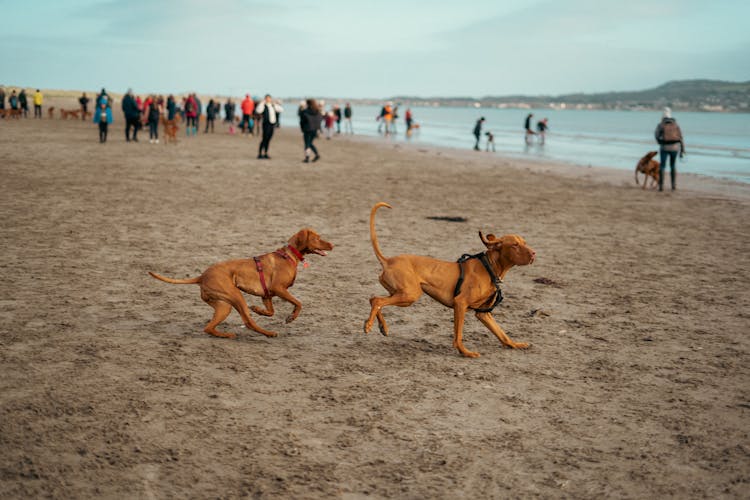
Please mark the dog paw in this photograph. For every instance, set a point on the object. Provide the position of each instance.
(383, 330)
(270, 334)
(521, 345)
(290, 318)
(368, 326)
(471, 354)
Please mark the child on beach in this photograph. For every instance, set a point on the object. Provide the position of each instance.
(103, 116)
(541, 129)
(490, 141)
(329, 121)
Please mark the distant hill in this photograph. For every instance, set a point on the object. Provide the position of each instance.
(685, 95)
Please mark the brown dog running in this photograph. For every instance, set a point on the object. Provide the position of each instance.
(222, 284)
(649, 167)
(407, 276)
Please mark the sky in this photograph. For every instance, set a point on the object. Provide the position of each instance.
(373, 48)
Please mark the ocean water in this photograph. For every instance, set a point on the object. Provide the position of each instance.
(717, 144)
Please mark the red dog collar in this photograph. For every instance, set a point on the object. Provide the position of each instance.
(297, 254)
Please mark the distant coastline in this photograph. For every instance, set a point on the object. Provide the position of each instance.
(686, 95)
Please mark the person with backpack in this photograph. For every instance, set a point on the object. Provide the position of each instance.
(309, 121)
(669, 137)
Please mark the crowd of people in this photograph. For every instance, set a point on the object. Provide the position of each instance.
(261, 117)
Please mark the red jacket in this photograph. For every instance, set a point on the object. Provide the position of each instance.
(248, 106)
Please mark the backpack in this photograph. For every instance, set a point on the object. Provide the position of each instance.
(670, 132)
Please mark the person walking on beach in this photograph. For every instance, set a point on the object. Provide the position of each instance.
(541, 130)
(409, 119)
(132, 115)
(84, 102)
(171, 107)
(153, 113)
(329, 120)
(309, 121)
(669, 137)
(211, 111)
(248, 109)
(527, 126)
(490, 140)
(348, 119)
(337, 114)
(103, 117)
(103, 97)
(191, 115)
(2, 101)
(38, 100)
(13, 100)
(24, 102)
(478, 132)
(266, 110)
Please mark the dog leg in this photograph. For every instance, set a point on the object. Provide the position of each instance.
(238, 301)
(268, 311)
(401, 299)
(284, 294)
(382, 324)
(221, 311)
(459, 313)
(488, 321)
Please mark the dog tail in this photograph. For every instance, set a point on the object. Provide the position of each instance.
(373, 236)
(188, 281)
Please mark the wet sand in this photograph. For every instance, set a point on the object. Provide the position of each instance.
(636, 384)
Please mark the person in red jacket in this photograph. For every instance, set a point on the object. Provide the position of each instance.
(248, 108)
(191, 115)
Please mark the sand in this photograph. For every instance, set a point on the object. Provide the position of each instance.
(636, 384)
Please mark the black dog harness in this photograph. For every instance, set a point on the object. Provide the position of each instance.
(498, 297)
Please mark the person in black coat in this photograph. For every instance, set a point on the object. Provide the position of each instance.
(268, 113)
(132, 115)
(309, 121)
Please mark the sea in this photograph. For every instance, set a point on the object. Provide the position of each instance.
(716, 144)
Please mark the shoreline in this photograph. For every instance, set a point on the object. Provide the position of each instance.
(687, 182)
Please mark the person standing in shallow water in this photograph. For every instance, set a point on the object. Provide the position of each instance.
(478, 132)
(669, 137)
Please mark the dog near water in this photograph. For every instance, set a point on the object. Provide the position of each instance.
(267, 276)
(649, 168)
(472, 283)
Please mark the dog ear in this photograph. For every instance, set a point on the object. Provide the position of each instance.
(299, 240)
(489, 240)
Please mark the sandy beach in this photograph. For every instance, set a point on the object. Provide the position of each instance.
(637, 384)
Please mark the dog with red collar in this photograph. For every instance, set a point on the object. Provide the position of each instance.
(267, 276)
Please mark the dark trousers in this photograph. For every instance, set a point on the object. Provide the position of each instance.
(103, 126)
(153, 130)
(309, 137)
(246, 125)
(268, 129)
(663, 155)
(209, 122)
(131, 122)
(37, 111)
(476, 145)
